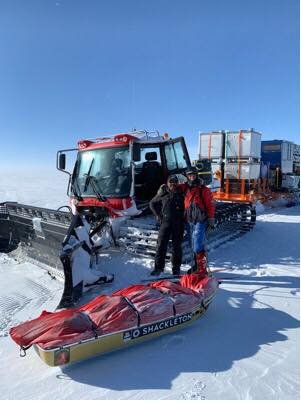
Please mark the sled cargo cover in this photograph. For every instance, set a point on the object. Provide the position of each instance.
(53, 329)
(150, 304)
(110, 314)
(184, 298)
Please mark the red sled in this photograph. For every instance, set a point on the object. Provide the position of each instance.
(128, 316)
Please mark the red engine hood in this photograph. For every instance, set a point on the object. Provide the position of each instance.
(114, 205)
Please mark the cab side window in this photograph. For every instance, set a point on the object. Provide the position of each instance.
(175, 156)
(145, 158)
(180, 155)
(170, 157)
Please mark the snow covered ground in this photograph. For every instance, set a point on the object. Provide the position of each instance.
(245, 347)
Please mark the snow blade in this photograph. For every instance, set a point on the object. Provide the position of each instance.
(39, 234)
(71, 293)
(79, 260)
(36, 232)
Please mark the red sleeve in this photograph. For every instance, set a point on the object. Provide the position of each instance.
(183, 187)
(209, 202)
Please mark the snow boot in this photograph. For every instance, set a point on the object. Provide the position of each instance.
(193, 268)
(201, 263)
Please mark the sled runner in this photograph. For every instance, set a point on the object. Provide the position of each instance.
(107, 323)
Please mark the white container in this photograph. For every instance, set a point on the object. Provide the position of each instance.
(290, 181)
(211, 145)
(296, 153)
(243, 144)
(287, 157)
(247, 171)
(287, 166)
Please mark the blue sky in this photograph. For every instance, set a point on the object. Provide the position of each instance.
(73, 69)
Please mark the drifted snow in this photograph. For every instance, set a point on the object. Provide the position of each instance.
(245, 347)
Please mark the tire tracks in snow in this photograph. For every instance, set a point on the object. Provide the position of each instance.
(36, 295)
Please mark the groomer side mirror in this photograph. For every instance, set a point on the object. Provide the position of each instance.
(62, 161)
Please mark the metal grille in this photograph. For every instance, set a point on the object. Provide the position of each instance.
(3, 210)
(46, 215)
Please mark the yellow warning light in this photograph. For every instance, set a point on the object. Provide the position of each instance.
(165, 136)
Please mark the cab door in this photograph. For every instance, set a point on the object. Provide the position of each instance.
(175, 156)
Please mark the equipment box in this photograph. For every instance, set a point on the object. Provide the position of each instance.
(243, 144)
(211, 145)
(247, 171)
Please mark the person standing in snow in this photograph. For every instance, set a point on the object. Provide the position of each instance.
(199, 213)
(168, 207)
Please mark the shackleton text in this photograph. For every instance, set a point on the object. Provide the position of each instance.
(153, 328)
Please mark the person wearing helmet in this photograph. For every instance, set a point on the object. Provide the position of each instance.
(168, 207)
(199, 213)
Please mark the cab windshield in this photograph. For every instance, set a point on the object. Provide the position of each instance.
(104, 171)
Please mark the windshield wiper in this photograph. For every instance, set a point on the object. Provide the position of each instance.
(88, 176)
(95, 189)
(90, 179)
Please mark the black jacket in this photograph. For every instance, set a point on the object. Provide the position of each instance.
(168, 206)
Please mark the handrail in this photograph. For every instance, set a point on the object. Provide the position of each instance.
(148, 134)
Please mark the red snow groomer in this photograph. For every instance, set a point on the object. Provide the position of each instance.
(113, 178)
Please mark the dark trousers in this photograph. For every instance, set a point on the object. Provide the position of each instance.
(175, 232)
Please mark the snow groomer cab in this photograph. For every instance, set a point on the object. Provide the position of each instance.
(119, 174)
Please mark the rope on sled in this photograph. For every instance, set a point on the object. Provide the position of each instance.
(23, 350)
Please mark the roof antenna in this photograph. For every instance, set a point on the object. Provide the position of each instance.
(134, 103)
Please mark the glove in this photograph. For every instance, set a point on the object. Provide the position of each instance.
(162, 189)
(211, 223)
(159, 219)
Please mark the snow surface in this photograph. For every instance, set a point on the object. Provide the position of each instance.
(245, 347)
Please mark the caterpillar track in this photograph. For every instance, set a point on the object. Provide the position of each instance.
(139, 235)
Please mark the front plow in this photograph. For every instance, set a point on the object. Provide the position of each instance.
(36, 233)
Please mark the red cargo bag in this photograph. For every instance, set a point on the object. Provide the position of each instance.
(150, 303)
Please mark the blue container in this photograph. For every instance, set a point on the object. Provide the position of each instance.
(279, 153)
(271, 152)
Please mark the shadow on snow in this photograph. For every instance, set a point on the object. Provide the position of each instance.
(269, 243)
